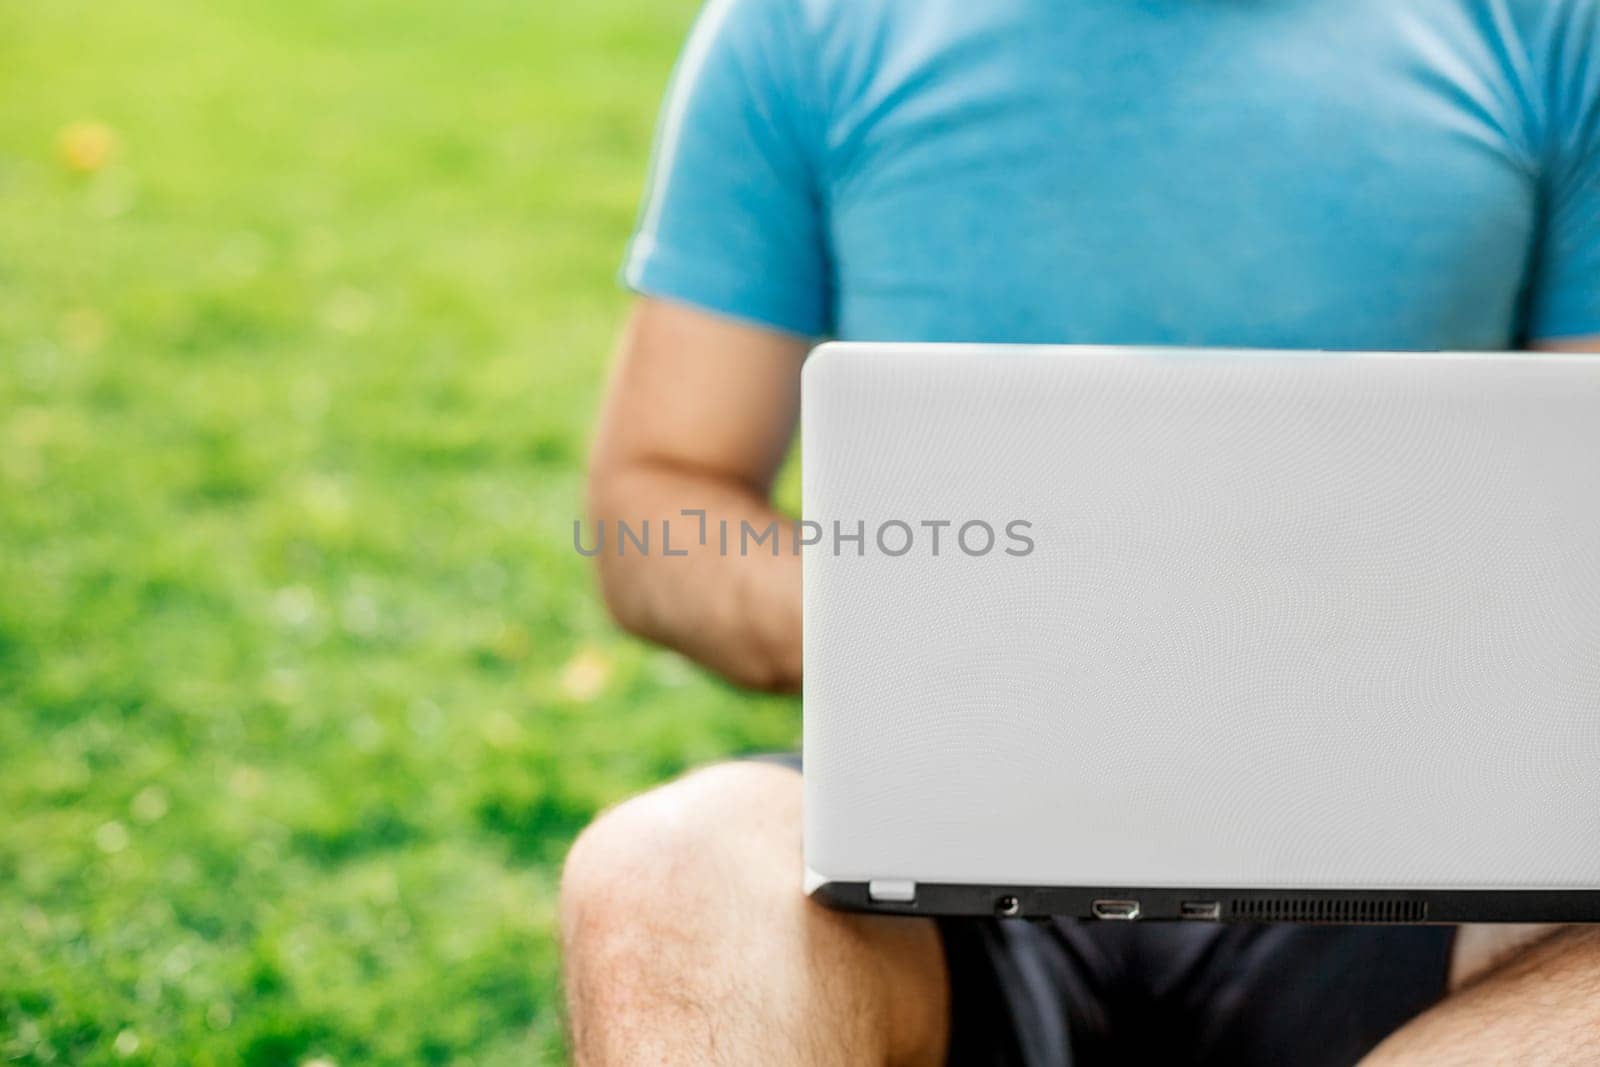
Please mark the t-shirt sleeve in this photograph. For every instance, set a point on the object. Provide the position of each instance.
(1566, 278)
(732, 220)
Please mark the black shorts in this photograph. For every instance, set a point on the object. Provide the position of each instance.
(1086, 993)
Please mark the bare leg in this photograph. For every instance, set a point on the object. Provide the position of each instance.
(1542, 1007)
(687, 940)
(1482, 947)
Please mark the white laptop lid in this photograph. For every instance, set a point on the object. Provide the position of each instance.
(1288, 619)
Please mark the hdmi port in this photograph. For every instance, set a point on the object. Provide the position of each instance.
(1115, 909)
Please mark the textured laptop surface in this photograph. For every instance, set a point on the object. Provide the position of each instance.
(1288, 620)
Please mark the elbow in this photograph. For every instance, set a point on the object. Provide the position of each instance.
(618, 584)
(619, 594)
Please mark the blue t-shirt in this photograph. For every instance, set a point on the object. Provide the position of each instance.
(1296, 173)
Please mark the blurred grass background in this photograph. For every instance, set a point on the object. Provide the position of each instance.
(304, 310)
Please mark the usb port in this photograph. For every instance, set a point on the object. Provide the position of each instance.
(1202, 910)
(1115, 909)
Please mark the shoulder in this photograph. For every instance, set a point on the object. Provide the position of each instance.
(1553, 12)
(862, 50)
(812, 58)
(747, 55)
(1561, 39)
(1556, 38)
(1548, 55)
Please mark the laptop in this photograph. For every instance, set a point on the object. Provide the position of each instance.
(1142, 633)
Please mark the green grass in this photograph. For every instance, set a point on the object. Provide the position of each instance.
(303, 691)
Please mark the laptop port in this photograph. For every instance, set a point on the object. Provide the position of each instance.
(1115, 909)
(1200, 910)
(1007, 906)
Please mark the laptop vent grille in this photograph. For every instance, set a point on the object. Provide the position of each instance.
(1328, 910)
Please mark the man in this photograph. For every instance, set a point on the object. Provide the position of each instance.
(1378, 174)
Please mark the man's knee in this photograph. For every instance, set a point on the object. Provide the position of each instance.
(729, 829)
(689, 898)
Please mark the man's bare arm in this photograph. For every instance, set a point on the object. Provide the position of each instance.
(699, 415)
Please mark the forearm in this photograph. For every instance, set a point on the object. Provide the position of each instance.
(1542, 1006)
(737, 612)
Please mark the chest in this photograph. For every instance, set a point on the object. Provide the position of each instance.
(1253, 187)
